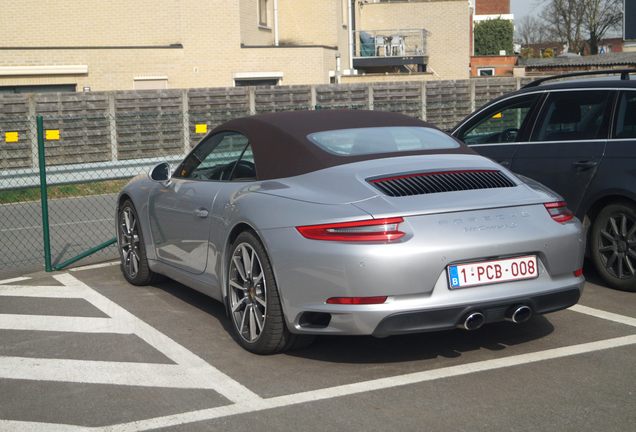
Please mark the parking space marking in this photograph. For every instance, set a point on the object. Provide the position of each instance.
(189, 370)
(63, 324)
(20, 426)
(107, 372)
(53, 291)
(367, 386)
(609, 316)
(16, 279)
(95, 266)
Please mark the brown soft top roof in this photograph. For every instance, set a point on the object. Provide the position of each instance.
(281, 147)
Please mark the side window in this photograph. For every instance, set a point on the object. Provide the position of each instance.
(626, 116)
(573, 115)
(500, 124)
(215, 158)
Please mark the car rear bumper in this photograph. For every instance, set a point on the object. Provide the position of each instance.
(413, 275)
(449, 318)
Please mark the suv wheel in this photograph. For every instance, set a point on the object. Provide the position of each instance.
(613, 245)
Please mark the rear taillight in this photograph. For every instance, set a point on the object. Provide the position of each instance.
(578, 272)
(373, 230)
(559, 211)
(357, 300)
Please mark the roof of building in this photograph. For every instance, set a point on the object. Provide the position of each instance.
(609, 59)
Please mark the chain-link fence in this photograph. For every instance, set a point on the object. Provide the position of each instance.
(94, 143)
(87, 160)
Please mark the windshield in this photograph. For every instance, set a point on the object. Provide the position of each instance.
(362, 141)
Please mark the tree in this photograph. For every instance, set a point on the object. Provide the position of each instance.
(530, 30)
(576, 22)
(564, 20)
(493, 36)
(600, 17)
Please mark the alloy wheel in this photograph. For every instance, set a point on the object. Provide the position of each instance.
(247, 292)
(129, 241)
(617, 246)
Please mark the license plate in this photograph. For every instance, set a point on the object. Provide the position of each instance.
(487, 272)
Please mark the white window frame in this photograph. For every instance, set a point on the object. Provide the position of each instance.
(481, 69)
(242, 76)
(161, 82)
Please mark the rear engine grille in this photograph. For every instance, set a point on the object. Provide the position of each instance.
(445, 181)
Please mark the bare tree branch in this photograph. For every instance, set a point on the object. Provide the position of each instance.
(600, 17)
(530, 30)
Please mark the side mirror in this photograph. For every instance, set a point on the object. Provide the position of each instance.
(161, 172)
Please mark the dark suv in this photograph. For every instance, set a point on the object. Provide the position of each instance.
(577, 137)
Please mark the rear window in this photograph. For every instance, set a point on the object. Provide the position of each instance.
(363, 141)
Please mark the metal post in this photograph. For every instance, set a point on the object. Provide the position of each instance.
(46, 238)
(89, 252)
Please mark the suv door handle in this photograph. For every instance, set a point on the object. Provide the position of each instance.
(202, 213)
(585, 164)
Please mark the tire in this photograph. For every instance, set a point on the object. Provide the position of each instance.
(254, 306)
(131, 246)
(613, 245)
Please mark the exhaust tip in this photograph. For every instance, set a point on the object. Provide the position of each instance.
(519, 314)
(473, 321)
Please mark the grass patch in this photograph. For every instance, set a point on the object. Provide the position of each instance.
(63, 191)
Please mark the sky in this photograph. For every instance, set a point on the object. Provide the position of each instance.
(521, 8)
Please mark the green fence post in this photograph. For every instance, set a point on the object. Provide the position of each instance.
(46, 238)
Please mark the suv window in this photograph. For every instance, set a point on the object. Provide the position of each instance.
(573, 115)
(501, 123)
(219, 157)
(626, 116)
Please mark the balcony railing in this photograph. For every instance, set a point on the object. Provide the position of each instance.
(390, 43)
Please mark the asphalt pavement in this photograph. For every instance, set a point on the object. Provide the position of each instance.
(84, 350)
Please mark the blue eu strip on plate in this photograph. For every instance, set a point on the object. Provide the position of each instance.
(453, 277)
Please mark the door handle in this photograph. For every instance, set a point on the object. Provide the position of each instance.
(202, 213)
(585, 164)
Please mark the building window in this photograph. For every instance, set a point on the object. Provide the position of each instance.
(262, 13)
(256, 82)
(38, 88)
(244, 79)
(150, 83)
(485, 71)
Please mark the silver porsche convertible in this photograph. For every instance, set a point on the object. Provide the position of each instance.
(349, 223)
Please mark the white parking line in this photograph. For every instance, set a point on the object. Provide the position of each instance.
(609, 316)
(94, 266)
(52, 291)
(63, 324)
(16, 279)
(22, 426)
(351, 389)
(189, 370)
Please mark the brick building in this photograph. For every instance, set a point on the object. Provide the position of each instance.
(76, 45)
(492, 7)
(491, 65)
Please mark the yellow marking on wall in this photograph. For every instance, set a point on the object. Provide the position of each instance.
(497, 116)
(52, 134)
(11, 137)
(201, 128)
